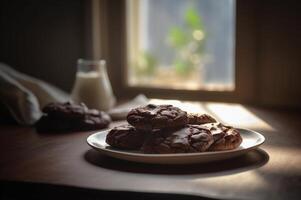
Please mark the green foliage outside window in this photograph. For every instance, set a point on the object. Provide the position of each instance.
(188, 43)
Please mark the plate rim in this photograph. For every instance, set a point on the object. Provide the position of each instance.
(196, 154)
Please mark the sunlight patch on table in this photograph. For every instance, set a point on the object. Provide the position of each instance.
(233, 114)
(237, 115)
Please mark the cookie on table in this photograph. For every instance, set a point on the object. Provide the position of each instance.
(71, 117)
(200, 118)
(190, 139)
(66, 110)
(94, 120)
(126, 137)
(225, 137)
(152, 117)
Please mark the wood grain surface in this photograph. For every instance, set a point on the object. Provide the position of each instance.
(271, 172)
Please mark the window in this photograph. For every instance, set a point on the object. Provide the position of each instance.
(178, 44)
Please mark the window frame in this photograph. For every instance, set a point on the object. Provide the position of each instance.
(245, 56)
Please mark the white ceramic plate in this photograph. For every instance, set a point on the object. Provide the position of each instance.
(251, 140)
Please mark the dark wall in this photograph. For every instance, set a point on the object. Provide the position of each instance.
(279, 52)
(43, 38)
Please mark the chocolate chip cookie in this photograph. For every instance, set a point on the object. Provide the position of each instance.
(126, 137)
(66, 110)
(225, 137)
(152, 117)
(71, 117)
(200, 119)
(192, 138)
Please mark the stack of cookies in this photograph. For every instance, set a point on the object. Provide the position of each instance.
(167, 129)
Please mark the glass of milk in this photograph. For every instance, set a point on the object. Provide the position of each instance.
(92, 85)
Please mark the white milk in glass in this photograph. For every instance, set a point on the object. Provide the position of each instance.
(92, 85)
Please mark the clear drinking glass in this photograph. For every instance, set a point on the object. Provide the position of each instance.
(92, 85)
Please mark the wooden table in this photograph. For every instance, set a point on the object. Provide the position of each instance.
(271, 172)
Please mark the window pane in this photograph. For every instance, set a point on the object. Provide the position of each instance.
(181, 44)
